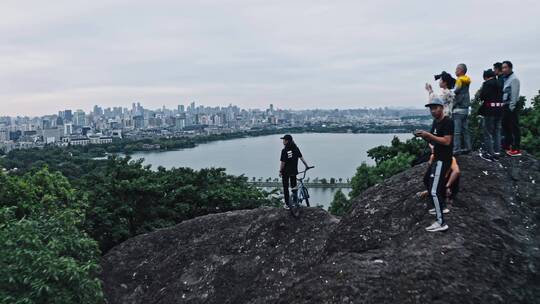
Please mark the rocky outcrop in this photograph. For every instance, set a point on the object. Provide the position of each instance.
(379, 253)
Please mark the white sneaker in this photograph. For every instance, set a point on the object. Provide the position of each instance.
(437, 227)
(433, 212)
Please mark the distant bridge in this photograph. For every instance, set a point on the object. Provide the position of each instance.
(278, 184)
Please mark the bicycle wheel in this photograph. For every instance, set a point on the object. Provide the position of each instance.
(306, 197)
(294, 206)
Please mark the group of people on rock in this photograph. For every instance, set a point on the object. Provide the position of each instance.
(449, 135)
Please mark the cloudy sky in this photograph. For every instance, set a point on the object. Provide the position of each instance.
(295, 54)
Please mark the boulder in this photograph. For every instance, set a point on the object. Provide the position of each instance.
(378, 253)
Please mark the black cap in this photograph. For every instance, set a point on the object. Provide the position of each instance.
(287, 137)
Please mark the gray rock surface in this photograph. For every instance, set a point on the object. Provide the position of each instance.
(379, 253)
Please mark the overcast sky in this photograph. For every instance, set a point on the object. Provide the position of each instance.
(295, 54)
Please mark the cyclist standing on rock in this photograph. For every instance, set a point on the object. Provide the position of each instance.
(289, 165)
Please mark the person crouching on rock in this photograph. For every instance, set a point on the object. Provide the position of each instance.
(289, 165)
(441, 137)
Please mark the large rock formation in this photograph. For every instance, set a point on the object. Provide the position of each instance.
(379, 253)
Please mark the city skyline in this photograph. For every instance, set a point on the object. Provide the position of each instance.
(129, 106)
(300, 55)
(102, 125)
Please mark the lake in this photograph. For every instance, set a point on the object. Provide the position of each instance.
(333, 155)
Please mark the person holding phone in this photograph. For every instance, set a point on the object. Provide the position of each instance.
(441, 137)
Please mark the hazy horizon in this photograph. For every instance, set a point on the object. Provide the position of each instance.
(295, 55)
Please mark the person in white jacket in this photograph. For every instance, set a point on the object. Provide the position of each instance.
(447, 95)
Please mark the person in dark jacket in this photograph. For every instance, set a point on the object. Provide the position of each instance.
(492, 110)
(497, 68)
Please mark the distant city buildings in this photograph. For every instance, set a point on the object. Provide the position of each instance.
(101, 125)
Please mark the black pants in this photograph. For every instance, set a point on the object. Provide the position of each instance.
(435, 181)
(286, 180)
(511, 131)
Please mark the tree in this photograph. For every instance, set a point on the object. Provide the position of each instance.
(367, 176)
(45, 253)
(476, 122)
(340, 205)
(332, 180)
(413, 146)
(364, 178)
(127, 198)
(530, 126)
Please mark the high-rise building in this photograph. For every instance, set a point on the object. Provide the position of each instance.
(117, 111)
(68, 115)
(4, 135)
(138, 122)
(98, 111)
(46, 124)
(79, 118)
(181, 109)
(180, 122)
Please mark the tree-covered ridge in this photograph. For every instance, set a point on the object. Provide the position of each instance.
(127, 198)
(52, 227)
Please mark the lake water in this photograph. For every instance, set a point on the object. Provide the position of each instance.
(333, 155)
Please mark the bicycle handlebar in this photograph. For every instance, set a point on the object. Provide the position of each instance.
(307, 168)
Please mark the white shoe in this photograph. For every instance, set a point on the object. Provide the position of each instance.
(433, 212)
(437, 227)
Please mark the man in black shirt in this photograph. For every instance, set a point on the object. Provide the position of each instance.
(441, 137)
(289, 165)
